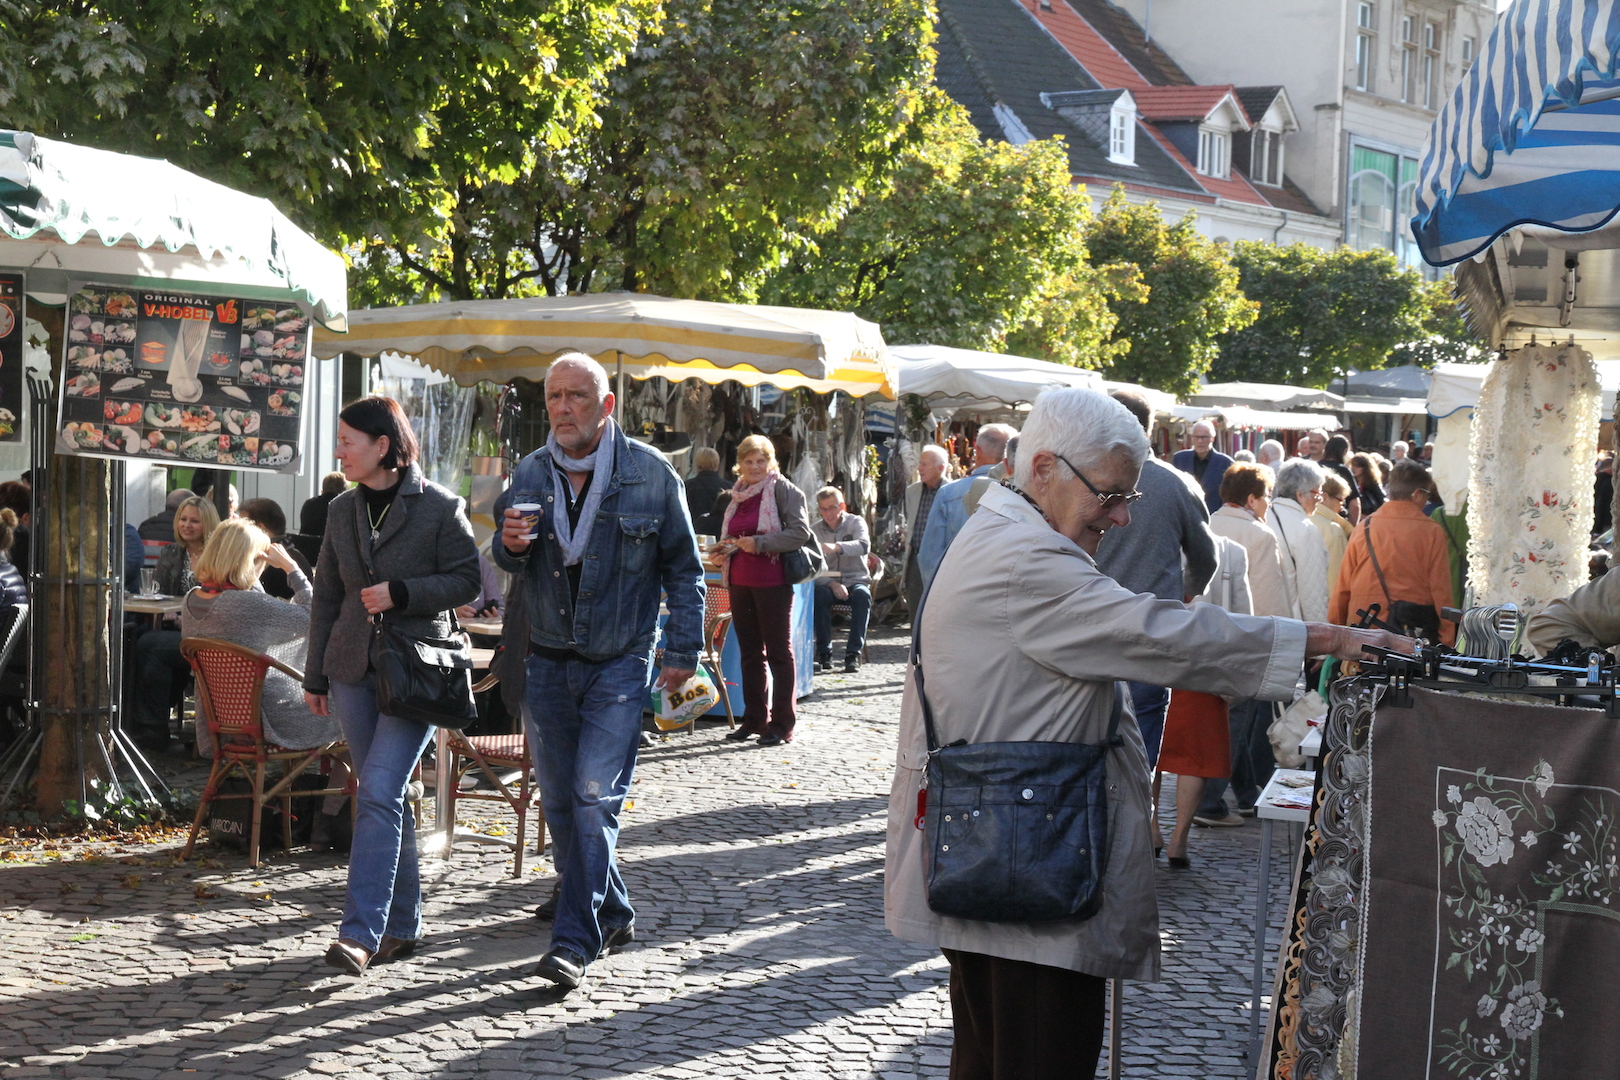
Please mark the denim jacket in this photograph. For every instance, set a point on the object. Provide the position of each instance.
(641, 545)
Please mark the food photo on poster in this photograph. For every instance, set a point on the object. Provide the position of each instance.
(12, 312)
(183, 377)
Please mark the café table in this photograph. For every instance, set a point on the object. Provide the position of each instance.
(159, 607)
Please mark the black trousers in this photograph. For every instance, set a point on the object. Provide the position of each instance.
(1014, 1020)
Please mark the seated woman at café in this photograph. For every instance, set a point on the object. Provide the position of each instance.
(228, 606)
(155, 655)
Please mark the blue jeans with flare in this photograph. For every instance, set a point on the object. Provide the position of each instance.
(584, 724)
(385, 888)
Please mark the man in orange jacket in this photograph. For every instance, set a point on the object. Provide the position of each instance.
(1410, 550)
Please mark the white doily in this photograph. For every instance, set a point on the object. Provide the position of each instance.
(1530, 488)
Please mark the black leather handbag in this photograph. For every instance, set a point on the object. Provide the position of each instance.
(803, 563)
(425, 679)
(1014, 831)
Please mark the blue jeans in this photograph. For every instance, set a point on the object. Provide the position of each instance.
(385, 890)
(584, 725)
(860, 610)
(1253, 760)
(1150, 703)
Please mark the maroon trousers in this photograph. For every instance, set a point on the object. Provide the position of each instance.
(1014, 1020)
(762, 615)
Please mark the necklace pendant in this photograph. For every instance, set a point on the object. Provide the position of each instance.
(375, 533)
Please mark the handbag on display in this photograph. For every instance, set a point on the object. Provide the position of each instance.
(1013, 831)
(425, 679)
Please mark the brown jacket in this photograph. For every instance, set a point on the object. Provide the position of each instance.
(1416, 560)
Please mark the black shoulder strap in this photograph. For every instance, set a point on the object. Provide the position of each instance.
(1372, 552)
(1282, 535)
(1114, 715)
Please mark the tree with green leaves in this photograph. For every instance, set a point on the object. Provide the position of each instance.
(1326, 313)
(1445, 336)
(1192, 298)
(969, 242)
(727, 144)
(397, 129)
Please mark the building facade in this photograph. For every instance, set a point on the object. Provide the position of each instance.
(1366, 79)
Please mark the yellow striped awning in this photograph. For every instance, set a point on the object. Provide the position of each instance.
(648, 335)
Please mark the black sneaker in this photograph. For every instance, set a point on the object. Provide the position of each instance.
(548, 910)
(823, 663)
(617, 938)
(561, 966)
(852, 664)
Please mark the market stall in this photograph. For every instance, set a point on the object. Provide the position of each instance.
(686, 373)
(140, 278)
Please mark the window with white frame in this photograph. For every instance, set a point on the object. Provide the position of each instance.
(1214, 153)
(1266, 158)
(1431, 65)
(1122, 134)
(1467, 51)
(1364, 46)
(1409, 59)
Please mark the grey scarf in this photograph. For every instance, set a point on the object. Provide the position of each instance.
(599, 463)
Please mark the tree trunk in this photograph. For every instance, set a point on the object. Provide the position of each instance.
(74, 599)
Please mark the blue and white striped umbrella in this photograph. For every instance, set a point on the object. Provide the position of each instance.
(1532, 134)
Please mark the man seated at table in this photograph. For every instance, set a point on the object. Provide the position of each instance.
(844, 541)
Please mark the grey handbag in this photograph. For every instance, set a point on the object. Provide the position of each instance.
(1013, 831)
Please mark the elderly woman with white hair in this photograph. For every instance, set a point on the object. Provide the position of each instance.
(1022, 639)
(1304, 553)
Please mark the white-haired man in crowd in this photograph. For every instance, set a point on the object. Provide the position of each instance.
(1205, 463)
(1024, 639)
(919, 504)
(1270, 454)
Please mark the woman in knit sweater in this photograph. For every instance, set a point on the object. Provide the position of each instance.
(228, 606)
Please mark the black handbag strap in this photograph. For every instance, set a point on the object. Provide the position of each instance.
(371, 576)
(1372, 553)
(1113, 738)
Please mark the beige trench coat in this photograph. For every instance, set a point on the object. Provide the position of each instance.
(1023, 638)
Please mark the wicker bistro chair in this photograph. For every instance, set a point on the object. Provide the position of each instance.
(230, 687)
(716, 625)
(488, 754)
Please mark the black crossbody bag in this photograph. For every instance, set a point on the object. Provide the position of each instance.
(1013, 831)
(428, 680)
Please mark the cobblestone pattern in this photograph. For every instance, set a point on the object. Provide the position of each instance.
(761, 952)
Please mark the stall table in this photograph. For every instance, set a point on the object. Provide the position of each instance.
(1280, 801)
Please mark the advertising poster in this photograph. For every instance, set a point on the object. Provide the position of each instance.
(12, 310)
(183, 379)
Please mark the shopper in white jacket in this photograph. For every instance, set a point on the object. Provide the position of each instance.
(1304, 554)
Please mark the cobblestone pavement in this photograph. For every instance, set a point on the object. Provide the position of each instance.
(760, 951)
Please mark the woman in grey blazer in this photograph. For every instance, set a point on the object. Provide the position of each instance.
(394, 543)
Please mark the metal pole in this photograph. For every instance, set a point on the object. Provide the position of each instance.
(1262, 902)
(1116, 1025)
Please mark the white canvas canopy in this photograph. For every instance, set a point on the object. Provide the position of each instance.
(950, 378)
(1268, 396)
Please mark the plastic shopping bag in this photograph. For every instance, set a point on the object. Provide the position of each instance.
(679, 707)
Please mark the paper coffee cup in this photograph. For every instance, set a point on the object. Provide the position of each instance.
(531, 517)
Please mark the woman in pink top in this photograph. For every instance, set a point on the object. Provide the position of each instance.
(766, 516)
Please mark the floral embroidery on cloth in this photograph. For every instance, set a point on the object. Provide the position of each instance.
(1530, 490)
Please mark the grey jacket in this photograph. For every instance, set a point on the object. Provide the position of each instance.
(1169, 523)
(853, 544)
(426, 543)
(1023, 639)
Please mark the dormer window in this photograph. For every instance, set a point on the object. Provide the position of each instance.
(1214, 153)
(1122, 131)
(1266, 166)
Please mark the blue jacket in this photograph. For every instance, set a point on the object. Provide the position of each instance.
(945, 520)
(641, 546)
(1218, 464)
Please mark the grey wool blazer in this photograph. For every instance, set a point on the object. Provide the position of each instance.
(426, 542)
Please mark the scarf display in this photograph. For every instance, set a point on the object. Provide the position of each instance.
(770, 520)
(1530, 488)
(599, 463)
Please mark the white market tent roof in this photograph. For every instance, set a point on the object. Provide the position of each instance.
(1387, 406)
(950, 378)
(1269, 396)
(71, 214)
(1239, 416)
(1457, 386)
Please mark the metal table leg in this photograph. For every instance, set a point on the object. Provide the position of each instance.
(1261, 903)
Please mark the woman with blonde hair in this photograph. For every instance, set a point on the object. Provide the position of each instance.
(227, 605)
(766, 516)
(195, 520)
(155, 656)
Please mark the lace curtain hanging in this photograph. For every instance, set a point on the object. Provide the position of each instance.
(1530, 488)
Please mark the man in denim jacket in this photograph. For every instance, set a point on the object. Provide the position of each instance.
(611, 535)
